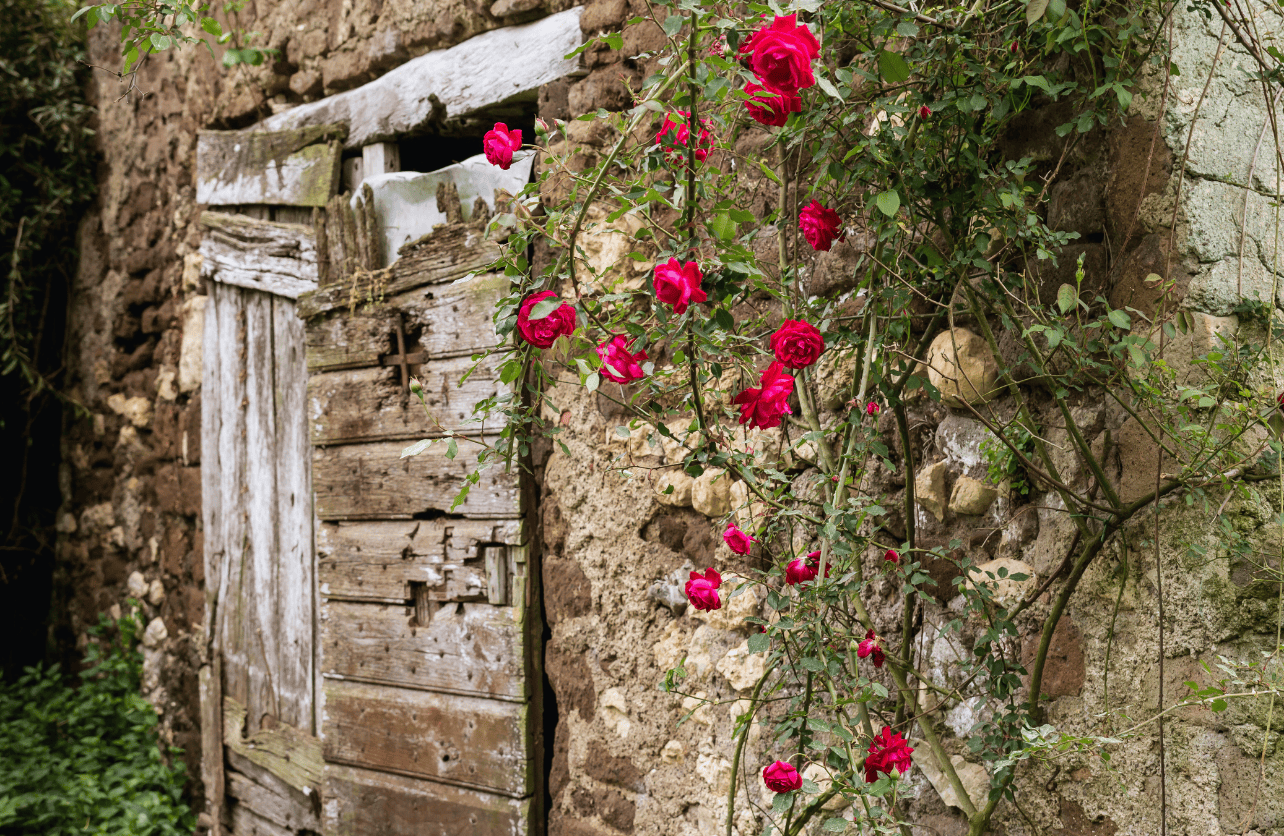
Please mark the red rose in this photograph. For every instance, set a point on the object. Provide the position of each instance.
(797, 344)
(887, 754)
(543, 332)
(736, 539)
(924, 111)
(679, 284)
(618, 363)
(771, 107)
(764, 407)
(499, 143)
(892, 556)
(800, 570)
(781, 55)
(781, 777)
(871, 647)
(673, 138)
(702, 590)
(872, 408)
(820, 226)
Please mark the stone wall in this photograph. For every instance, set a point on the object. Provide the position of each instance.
(627, 757)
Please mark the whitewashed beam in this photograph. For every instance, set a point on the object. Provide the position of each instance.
(260, 255)
(405, 203)
(486, 70)
(380, 158)
(284, 168)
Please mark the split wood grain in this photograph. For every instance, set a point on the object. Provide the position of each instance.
(405, 806)
(369, 404)
(277, 258)
(378, 560)
(372, 481)
(288, 753)
(461, 740)
(284, 810)
(468, 648)
(292, 167)
(449, 253)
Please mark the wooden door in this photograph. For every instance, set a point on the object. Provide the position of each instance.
(258, 529)
(427, 634)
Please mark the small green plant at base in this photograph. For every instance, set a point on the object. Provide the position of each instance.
(86, 759)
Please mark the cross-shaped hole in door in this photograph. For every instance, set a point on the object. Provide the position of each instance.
(405, 350)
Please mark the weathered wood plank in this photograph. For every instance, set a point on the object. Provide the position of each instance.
(211, 696)
(471, 648)
(292, 755)
(231, 466)
(370, 405)
(452, 320)
(378, 560)
(455, 739)
(360, 802)
(292, 167)
(448, 83)
(287, 810)
(244, 822)
(449, 253)
(293, 581)
(372, 481)
(278, 258)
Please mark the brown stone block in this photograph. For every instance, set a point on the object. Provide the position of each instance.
(306, 83)
(646, 36)
(174, 548)
(1075, 822)
(165, 431)
(553, 101)
(612, 770)
(1129, 148)
(603, 88)
(1150, 256)
(567, 591)
(571, 680)
(600, 15)
(196, 558)
(1063, 671)
(178, 489)
(562, 824)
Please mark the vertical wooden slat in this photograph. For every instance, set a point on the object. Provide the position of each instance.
(293, 456)
(211, 673)
(230, 303)
(261, 567)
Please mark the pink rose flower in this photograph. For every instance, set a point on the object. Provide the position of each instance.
(542, 333)
(797, 344)
(766, 406)
(800, 570)
(872, 408)
(770, 107)
(499, 143)
(888, 754)
(679, 284)
(892, 556)
(781, 777)
(871, 647)
(618, 362)
(820, 226)
(781, 54)
(736, 539)
(702, 590)
(673, 138)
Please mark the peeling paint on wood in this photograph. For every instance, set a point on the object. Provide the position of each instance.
(403, 806)
(481, 71)
(454, 739)
(473, 648)
(293, 167)
(277, 258)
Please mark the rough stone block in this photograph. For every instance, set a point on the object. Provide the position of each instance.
(929, 489)
(741, 668)
(1007, 591)
(711, 493)
(971, 496)
(961, 366)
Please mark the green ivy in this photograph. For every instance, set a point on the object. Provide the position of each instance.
(87, 760)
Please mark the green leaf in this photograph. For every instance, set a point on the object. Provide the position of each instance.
(723, 227)
(812, 664)
(1119, 319)
(231, 58)
(1218, 705)
(452, 449)
(673, 24)
(759, 643)
(1056, 9)
(77, 15)
(1067, 298)
(544, 308)
(1034, 10)
(160, 41)
(417, 448)
(835, 825)
(892, 67)
(592, 382)
(829, 88)
(888, 202)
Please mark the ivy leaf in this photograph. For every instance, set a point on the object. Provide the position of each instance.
(1067, 298)
(544, 308)
(888, 202)
(1120, 320)
(892, 67)
(1034, 10)
(417, 448)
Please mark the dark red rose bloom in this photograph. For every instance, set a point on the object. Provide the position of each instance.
(771, 107)
(888, 752)
(673, 138)
(797, 344)
(766, 406)
(871, 647)
(781, 777)
(780, 54)
(702, 590)
(820, 225)
(800, 570)
(542, 333)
